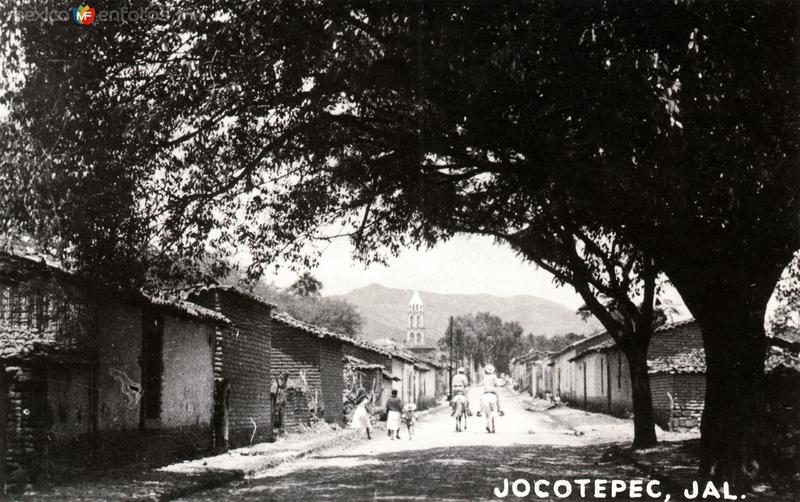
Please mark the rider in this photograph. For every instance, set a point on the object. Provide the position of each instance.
(489, 386)
(460, 384)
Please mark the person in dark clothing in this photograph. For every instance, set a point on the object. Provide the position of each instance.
(394, 411)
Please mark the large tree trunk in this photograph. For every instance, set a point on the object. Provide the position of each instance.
(728, 300)
(735, 347)
(644, 431)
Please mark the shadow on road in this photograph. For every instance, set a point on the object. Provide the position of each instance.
(456, 473)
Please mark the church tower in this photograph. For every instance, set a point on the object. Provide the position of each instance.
(415, 333)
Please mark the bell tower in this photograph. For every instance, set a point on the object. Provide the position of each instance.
(415, 333)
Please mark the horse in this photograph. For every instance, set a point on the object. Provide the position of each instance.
(489, 409)
(459, 404)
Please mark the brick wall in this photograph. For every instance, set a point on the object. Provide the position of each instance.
(320, 360)
(242, 356)
(296, 413)
(679, 339)
(332, 380)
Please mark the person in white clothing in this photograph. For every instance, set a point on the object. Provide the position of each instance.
(490, 386)
(460, 384)
(361, 415)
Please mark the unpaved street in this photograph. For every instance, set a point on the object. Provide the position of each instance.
(438, 464)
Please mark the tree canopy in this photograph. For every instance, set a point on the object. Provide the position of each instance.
(398, 122)
(483, 338)
(334, 314)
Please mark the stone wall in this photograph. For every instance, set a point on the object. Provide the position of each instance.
(25, 426)
(678, 400)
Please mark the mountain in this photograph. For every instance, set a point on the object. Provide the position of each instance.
(384, 312)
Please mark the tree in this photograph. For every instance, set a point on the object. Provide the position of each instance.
(620, 286)
(543, 343)
(306, 285)
(483, 338)
(390, 119)
(334, 314)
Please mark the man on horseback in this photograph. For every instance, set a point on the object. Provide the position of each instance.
(460, 384)
(490, 387)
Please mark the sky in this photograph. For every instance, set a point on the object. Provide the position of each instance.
(465, 264)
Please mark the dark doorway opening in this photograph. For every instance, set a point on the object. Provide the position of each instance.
(152, 367)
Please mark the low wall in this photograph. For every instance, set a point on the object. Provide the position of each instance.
(678, 400)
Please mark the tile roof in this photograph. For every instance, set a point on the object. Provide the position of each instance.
(390, 376)
(404, 355)
(210, 287)
(673, 325)
(360, 364)
(694, 361)
(610, 344)
(691, 362)
(175, 305)
(287, 320)
(531, 355)
(603, 346)
(185, 308)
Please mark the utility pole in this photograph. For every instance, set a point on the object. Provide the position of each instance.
(450, 335)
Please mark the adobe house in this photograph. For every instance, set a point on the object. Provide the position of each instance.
(368, 352)
(373, 354)
(676, 364)
(522, 369)
(360, 375)
(403, 368)
(243, 408)
(360, 353)
(312, 358)
(561, 371)
(91, 375)
(431, 379)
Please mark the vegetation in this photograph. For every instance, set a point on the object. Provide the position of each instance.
(484, 338)
(544, 344)
(330, 313)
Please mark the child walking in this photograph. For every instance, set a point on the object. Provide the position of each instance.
(410, 418)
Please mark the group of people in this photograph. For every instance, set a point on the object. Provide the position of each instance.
(398, 413)
(461, 382)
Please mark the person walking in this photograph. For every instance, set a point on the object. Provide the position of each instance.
(394, 411)
(362, 413)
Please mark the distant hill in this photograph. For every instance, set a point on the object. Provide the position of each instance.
(384, 312)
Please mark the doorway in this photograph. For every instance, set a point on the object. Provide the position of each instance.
(152, 368)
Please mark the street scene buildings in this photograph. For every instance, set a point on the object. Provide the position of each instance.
(400, 250)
